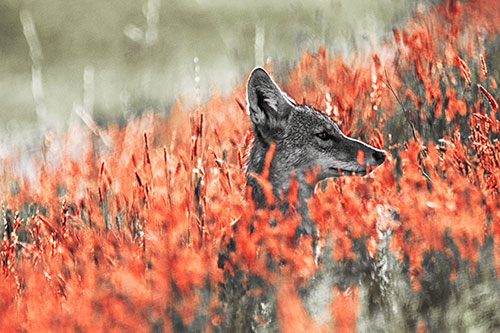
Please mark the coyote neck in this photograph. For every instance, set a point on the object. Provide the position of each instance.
(280, 182)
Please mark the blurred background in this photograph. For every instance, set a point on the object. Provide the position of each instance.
(112, 59)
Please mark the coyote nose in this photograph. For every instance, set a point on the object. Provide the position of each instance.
(379, 156)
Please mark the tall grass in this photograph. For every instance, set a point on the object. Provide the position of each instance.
(149, 226)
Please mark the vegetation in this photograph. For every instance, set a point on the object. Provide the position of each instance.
(148, 226)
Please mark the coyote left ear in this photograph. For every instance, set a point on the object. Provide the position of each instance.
(268, 106)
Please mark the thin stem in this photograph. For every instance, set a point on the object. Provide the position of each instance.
(412, 126)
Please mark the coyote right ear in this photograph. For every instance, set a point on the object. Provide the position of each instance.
(268, 106)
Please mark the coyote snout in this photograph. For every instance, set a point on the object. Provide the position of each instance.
(305, 140)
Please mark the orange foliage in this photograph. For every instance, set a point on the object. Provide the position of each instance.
(345, 308)
(147, 222)
(291, 313)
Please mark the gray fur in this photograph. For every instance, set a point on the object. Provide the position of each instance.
(304, 138)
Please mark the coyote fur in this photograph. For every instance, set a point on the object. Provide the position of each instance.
(304, 139)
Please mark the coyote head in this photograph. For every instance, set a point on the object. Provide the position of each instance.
(305, 139)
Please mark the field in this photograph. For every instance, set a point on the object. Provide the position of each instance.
(147, 225)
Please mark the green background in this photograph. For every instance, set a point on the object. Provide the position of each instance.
(142, 53)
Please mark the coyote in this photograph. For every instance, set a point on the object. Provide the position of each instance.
(305, 140)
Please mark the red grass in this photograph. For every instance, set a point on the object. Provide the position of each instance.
(125, 236)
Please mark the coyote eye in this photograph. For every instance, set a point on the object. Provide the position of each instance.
(323, 136)
(327, 137)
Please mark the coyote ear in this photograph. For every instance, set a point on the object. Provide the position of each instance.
(268, 106)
